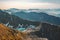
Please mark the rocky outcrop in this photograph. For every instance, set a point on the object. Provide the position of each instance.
(47, 31)
(10, 34)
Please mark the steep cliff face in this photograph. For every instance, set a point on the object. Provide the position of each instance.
(10, 34)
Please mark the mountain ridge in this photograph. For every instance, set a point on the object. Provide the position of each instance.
(37, 16)
(10, 34)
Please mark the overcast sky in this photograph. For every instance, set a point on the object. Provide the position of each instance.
(26, 4)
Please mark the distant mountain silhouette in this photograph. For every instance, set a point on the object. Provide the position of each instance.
(14, 20)
(39, 17)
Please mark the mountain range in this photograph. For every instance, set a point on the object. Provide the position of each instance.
(47, 26)
(35, 15)
(14, 20)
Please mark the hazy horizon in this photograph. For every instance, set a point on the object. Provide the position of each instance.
(30, 4)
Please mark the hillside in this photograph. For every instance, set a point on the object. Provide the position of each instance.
(40, 15)
(47, 27)
(10, 34)
(51, 32)
(46, 32)
(14, 20)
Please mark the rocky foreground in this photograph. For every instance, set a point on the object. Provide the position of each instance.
(9, 34)
(46, 32)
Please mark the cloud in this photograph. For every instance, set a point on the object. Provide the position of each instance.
(49, 1)
(27, 5)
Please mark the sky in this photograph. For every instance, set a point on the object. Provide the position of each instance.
(27, 4)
